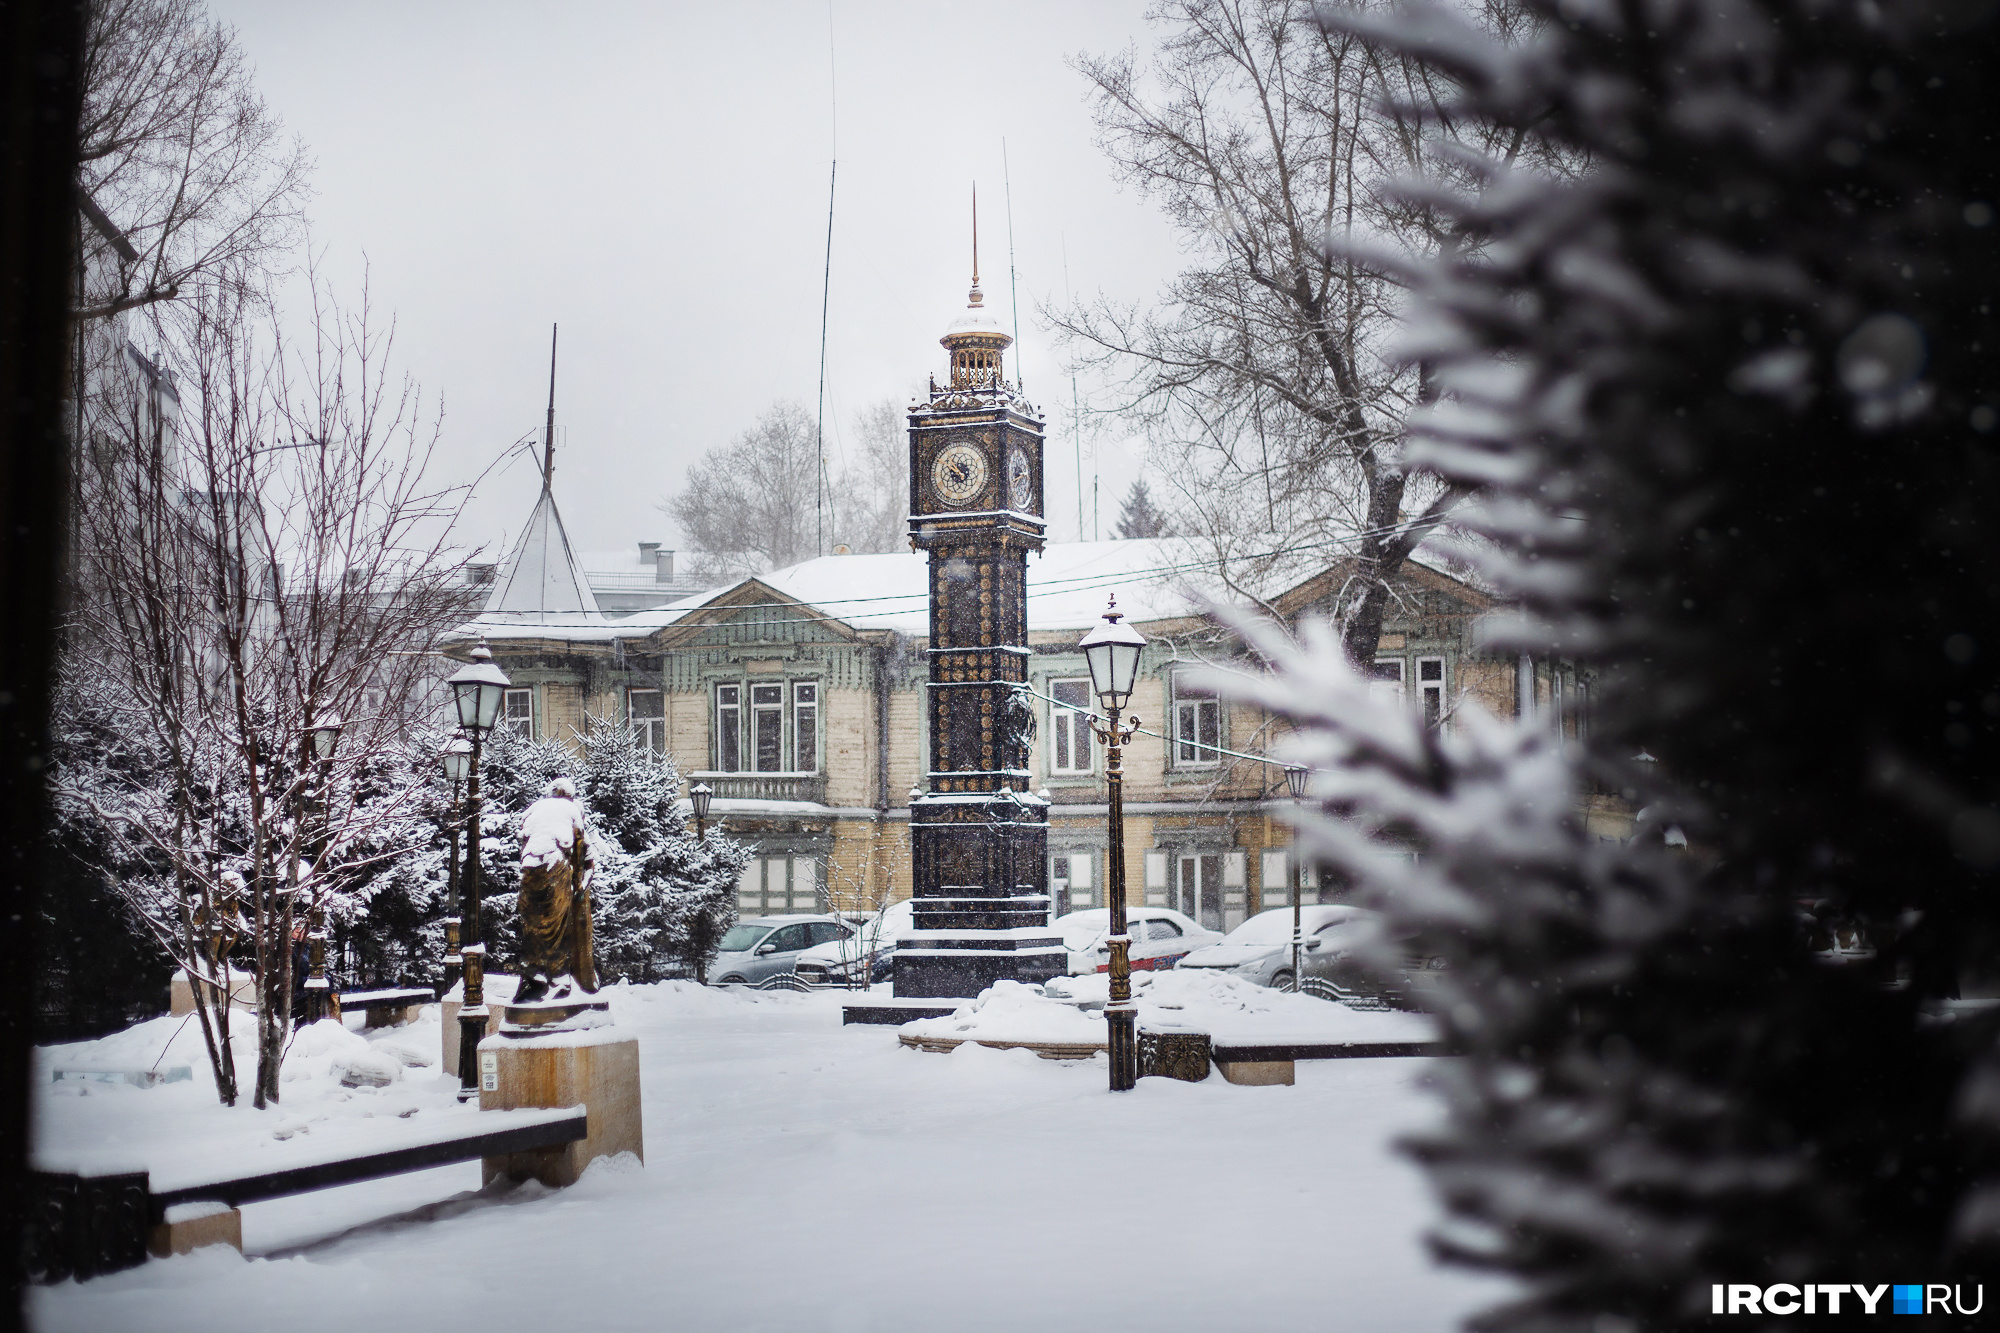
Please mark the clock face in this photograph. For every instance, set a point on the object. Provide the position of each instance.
(1020, 481)
(959, 473)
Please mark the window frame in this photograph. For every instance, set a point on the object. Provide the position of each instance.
(1433, 696)
(740, 703)
(645, 728)
(805, 725)
(507, 717)
(1185, 750)
(1069, 729)
(729, 726)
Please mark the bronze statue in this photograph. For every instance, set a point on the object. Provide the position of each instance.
(556, 934)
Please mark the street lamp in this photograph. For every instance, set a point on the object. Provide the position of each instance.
(1112, 653)
(1295, 779)
(699, 796)
(456, 761)
(321, 738)
(476, 691)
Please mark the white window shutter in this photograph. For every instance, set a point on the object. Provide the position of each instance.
(1276, 864)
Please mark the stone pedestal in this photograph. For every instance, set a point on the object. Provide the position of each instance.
(499, 989)
(1258, 1073)
(190, 1226)
(597, 1069)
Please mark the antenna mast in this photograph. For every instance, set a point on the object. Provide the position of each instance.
(1013, 286)
(549, 439)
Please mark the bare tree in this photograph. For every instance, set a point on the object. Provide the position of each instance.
(186, 169)
(1261, 376)
(873, 509)
(752, 505)
(274, 562)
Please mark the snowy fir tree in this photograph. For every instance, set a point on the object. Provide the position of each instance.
(1727, 396)
(1138, 516)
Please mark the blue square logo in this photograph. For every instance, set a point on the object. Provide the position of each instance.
(1908, 1299)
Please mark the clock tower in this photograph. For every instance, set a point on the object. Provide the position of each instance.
(979, 836)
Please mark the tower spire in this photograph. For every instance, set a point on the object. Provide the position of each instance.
(975, 299)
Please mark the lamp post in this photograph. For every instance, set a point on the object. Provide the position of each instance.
(476, 692)
(455, 760)
(1295, 779)
(699, 796)
(1112, 652)
(320, 740)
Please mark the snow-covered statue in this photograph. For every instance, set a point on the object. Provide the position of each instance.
(555, 899)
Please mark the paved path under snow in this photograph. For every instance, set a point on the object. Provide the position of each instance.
(802, 1175)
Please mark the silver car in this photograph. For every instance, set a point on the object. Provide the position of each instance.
(761, 947)
(1260, 949)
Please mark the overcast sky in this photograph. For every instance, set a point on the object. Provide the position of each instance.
(654, 178)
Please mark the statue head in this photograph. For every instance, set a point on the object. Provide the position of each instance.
(564, 788)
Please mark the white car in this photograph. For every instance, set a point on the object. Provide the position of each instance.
(865, 955)
(1160, 937)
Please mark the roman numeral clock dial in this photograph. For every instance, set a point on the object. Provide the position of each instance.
(959, 473)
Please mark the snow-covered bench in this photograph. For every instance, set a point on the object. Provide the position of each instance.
(89, 1218)
(1262, 1063)
(387, 1008)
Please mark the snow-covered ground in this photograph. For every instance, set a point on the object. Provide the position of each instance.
(799, 1174)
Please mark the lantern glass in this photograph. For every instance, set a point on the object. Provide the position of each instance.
(476, 691)
(325, 736)
(1295, 778)
(456, 759)
(699, 796)
(1112, 653)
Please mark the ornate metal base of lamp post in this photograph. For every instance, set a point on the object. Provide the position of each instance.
(476, 694)
(1112, 652)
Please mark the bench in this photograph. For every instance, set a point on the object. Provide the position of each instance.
(387, 1008)
(1265, 1063)
(88, 1221)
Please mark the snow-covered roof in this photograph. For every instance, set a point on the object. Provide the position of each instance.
(542, 582)
(1156, 579)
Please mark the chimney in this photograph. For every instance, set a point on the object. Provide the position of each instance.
(646, 552)
(663, 566)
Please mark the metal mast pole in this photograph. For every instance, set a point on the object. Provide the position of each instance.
(549, 441)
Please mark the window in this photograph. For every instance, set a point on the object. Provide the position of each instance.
(1069, 726)
(1197, 728)
(647, 712)
(729, 728)
(805, 726)
(767, 727)
(1385, 682)
(1197, 889)
(774, 884)
(793, 938)
(1069, 882)
(780, 733)
(517, 713)
(1430, 689)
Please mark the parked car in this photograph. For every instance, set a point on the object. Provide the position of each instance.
(1260, 949)
(761, 947)
(870, 949)
(1160, 936)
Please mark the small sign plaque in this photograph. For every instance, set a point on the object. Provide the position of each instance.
(489, 1072)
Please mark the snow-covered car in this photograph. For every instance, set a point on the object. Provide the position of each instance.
(871, 949)
(1160, 936)
(1260, 949)
(761, 947)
